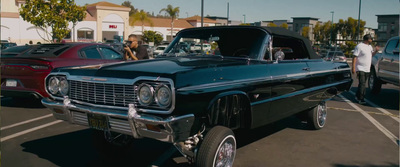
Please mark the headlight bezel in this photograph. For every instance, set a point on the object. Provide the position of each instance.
(157, 98)
(53, 85)
(156, 106)
(61, 87)
(150, 91)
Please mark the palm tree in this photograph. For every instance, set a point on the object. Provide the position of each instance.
(174, 13)
(142, 17)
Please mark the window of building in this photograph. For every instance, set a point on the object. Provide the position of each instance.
(382, 26)
(85, 34)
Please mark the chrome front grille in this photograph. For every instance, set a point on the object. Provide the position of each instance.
(102, 93)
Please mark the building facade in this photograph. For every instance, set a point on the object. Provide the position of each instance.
(300, 22)
(388, 26)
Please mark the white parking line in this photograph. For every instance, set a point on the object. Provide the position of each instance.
(29, 130)
(379, 108)
(390, 135)
(25, 122)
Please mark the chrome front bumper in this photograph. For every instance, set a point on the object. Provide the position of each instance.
(171, 129)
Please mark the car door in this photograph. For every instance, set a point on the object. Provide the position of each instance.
(290, 79)
(388, 68)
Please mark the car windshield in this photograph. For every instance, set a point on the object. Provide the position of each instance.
(228, 42)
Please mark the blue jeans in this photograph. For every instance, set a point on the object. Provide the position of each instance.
(362, 81)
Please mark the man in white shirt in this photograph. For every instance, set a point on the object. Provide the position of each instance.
(362, 63)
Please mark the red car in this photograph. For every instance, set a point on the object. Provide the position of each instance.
(23, 75)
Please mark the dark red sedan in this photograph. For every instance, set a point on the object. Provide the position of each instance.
(23, 75)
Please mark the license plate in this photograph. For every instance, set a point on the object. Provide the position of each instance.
(11, 83)
(98, 122)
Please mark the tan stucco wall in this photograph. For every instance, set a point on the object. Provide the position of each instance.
(9, 6)
(101, 14)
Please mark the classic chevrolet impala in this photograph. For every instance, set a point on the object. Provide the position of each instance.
(194, 99)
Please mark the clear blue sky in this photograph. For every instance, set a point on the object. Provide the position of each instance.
(257, 10)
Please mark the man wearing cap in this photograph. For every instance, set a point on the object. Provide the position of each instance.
(362, 63)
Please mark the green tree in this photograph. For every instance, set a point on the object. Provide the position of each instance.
(152, 36)
(271, 25)
(173, 13)
(284, 25)
(54, 14)
(129, 5)
(305, 32)
(141, 16)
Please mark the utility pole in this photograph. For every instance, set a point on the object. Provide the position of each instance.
(227, 17)
(358, 27)
(202, 13)
(244, 19)
(332, 28)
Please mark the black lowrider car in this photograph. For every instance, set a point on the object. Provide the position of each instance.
(195, 99)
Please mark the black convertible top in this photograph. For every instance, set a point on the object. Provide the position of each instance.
(283, 32)
(281, 37)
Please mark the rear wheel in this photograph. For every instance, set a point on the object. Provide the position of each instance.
(374, 83)
(217, 149)
(316, 118)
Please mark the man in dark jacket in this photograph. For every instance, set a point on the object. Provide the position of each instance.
(133, 51)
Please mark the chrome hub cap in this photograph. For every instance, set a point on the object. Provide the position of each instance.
(226, 152)
(321, 114)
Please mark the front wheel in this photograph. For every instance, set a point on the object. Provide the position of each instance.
(317, 116)
(217, 149)
(374, 83)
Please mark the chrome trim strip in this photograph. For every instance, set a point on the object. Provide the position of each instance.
(300, 92)
(270, 78)
(223, 83)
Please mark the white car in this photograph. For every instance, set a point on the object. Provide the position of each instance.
(159, 50)
(206, 47)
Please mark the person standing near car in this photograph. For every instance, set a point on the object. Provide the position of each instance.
(133, 51)
(362, 58)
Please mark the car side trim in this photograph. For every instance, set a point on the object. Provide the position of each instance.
(271, 78)
(304, 91)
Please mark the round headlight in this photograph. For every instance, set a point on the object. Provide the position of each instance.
(145, 94)
(163, 96)
(53, 86)
(64, 87)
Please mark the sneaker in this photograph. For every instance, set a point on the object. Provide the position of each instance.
(361, 101)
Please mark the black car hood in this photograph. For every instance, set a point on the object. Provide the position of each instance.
(166, 65)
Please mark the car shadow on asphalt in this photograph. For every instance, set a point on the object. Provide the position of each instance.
(245, 137)
(385, 165)
(77, 149)
(21, 102)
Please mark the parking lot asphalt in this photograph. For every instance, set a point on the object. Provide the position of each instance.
(355, 135)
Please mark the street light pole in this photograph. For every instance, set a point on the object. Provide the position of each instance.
(358, 27)
(332, 27)
(227, 17)
(202, 13)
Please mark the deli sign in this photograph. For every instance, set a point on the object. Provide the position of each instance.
(112, 26)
